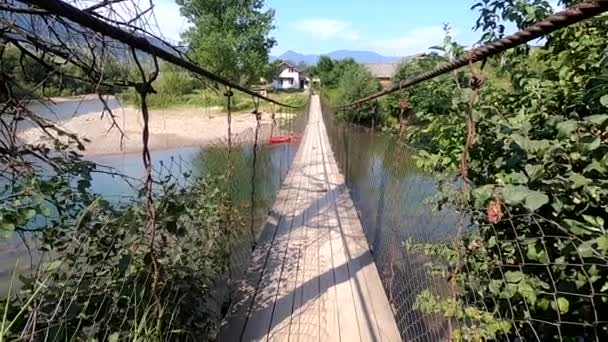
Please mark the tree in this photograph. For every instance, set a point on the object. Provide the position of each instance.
(230, 38)
(302, 65)
(331, 71)
(272, 70)
(356, 82)
(324, 69)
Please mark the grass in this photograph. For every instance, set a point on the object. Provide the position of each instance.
(214, 98)
(177, 88)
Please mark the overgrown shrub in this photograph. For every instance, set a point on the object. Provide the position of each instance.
(532, 261)
(104, 277)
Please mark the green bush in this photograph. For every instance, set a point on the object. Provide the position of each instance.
(101, 282)
(535, 263)
(356, 82)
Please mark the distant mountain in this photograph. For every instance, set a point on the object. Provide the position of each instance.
(294, 57)
(359, 56)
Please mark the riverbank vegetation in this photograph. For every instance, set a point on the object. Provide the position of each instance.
(526, 135)
(178, 88)
(344, 81)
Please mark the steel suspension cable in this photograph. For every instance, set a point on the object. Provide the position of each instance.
(78, 16)
(572, 15)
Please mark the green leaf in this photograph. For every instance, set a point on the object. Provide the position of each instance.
(579, 228)
(604, 100)
(483, 194)
(45, 210)
(579, 180)
(598, 119)
(543, 304)
(7, 226)
(513, 277)
(28, 214)
(518, 178)
(534, 171)
(495, 286)
(537, 254)
(522, 141)
(602, 243)
(563, 305)
(514, 195)
(114, 337)
(566, 128)
(585, 249)
(595, 221)
(527, 291)
(589, 143)
(535, 200)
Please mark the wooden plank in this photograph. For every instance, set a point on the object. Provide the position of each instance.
(305, 318)
(329, 328)
(281, 323)
(375, 314)
(347, 315)
(235, 321)
(261, 313)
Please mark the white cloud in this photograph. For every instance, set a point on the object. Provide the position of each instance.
(170, 22)
(164, 21)
(556, 6)
(414, 41)
(324, 28)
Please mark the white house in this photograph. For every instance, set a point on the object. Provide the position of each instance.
(290, 77)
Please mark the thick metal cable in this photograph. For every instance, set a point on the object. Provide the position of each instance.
(573, 15)
(85, 19)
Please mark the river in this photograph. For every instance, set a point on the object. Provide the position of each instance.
(121, 175)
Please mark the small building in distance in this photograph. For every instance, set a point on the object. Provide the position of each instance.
(383, 72)
(290, 77)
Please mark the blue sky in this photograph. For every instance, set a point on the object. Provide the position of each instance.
(389, 27)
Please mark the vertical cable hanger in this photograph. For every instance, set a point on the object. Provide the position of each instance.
(258, 117)
(229, 178)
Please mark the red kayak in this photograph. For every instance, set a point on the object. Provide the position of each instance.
(284, 139)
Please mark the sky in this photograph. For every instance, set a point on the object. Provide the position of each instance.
(388, 27)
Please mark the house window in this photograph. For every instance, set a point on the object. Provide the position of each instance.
(291, 70)
(291, 81)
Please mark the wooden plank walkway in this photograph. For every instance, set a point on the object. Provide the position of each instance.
(312, 277)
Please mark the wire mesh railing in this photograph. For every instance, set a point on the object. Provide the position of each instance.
(390, 195)
(65, 276)
(454, 272)
(160, 259)
(508, 244)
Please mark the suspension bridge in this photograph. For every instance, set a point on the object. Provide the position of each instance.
(324, 267)
(312, 276)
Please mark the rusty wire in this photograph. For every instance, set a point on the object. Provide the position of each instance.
(258, 117)
(570, 16)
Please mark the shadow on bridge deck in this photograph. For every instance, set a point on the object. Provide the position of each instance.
(311, 276)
